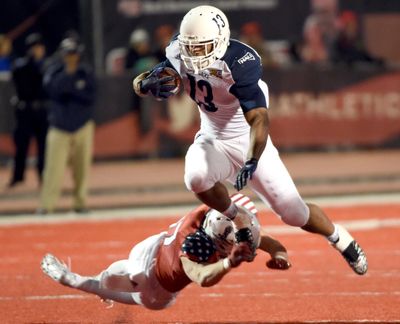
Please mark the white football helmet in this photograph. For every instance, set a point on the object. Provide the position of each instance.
(221, 230)
(203, 37)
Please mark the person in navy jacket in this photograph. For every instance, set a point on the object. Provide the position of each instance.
(71, 89)
(30, 105)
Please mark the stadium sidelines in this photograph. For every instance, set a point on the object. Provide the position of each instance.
(171, 211)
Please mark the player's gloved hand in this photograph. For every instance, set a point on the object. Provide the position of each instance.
(246, 173)
(158, 87)
(244, 235)
(278, 263)
(239, 253)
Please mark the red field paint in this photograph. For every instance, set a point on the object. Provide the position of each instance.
(320, 287)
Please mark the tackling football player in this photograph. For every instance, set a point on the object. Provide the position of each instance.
(201, 247)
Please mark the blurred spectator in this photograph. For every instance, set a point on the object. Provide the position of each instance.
(30, 107)
(325, 13)
(139, 57)
(251, 34)
(5, 58)
(313, 49)
(163, 36)
(320, 31)
(349, 47)
(115, 61)
(129, 8)
(71, 90)
(56, 59)
(74, 35)
(138, 60)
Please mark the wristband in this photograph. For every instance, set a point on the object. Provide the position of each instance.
(226, 263)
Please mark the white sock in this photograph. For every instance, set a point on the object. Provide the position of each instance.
(334, 237)
(231, 211)
(344, 238)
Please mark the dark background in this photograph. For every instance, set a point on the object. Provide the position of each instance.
(55, 17)
(60, 16)
(283, 20)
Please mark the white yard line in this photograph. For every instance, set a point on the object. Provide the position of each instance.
(303, 294)
(168, 211)
(352, 225)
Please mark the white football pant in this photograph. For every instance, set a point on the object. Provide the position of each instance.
(210, 160)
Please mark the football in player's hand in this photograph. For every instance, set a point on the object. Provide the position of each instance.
(278, 263)
(176, 81)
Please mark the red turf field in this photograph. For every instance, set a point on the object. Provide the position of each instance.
(319, 288)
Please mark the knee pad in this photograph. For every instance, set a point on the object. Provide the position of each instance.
(293, 212)
(197, 181)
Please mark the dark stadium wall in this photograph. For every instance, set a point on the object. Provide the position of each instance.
(309, 109)
(51, 18)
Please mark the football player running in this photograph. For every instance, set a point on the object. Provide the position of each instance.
(223, 76)
(201, 247)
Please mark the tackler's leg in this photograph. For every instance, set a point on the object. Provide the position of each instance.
(111, 284)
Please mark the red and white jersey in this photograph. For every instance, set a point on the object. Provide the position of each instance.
(225, 90)
(244, 201)
(169, 269)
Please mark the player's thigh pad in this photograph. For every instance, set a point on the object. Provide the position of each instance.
(116, 277)
(205, 164)
(273, 183)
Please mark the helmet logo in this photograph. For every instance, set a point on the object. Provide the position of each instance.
(227, 231)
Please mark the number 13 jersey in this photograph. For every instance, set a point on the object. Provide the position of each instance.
(224, 91)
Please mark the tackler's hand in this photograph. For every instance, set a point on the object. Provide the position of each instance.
(160, 87)
(278, 263)
(240, 252)
(244, 235)
(246, 173)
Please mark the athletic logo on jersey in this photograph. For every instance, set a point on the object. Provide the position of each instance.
(246, 57)
(204, 73)
(211, 72)
(215, 72)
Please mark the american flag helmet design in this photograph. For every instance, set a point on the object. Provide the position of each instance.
(198, 246)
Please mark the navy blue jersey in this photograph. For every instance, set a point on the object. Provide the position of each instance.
(226, 90)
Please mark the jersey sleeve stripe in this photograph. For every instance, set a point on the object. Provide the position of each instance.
(264, 88)
(236, 197)
(244, 201)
